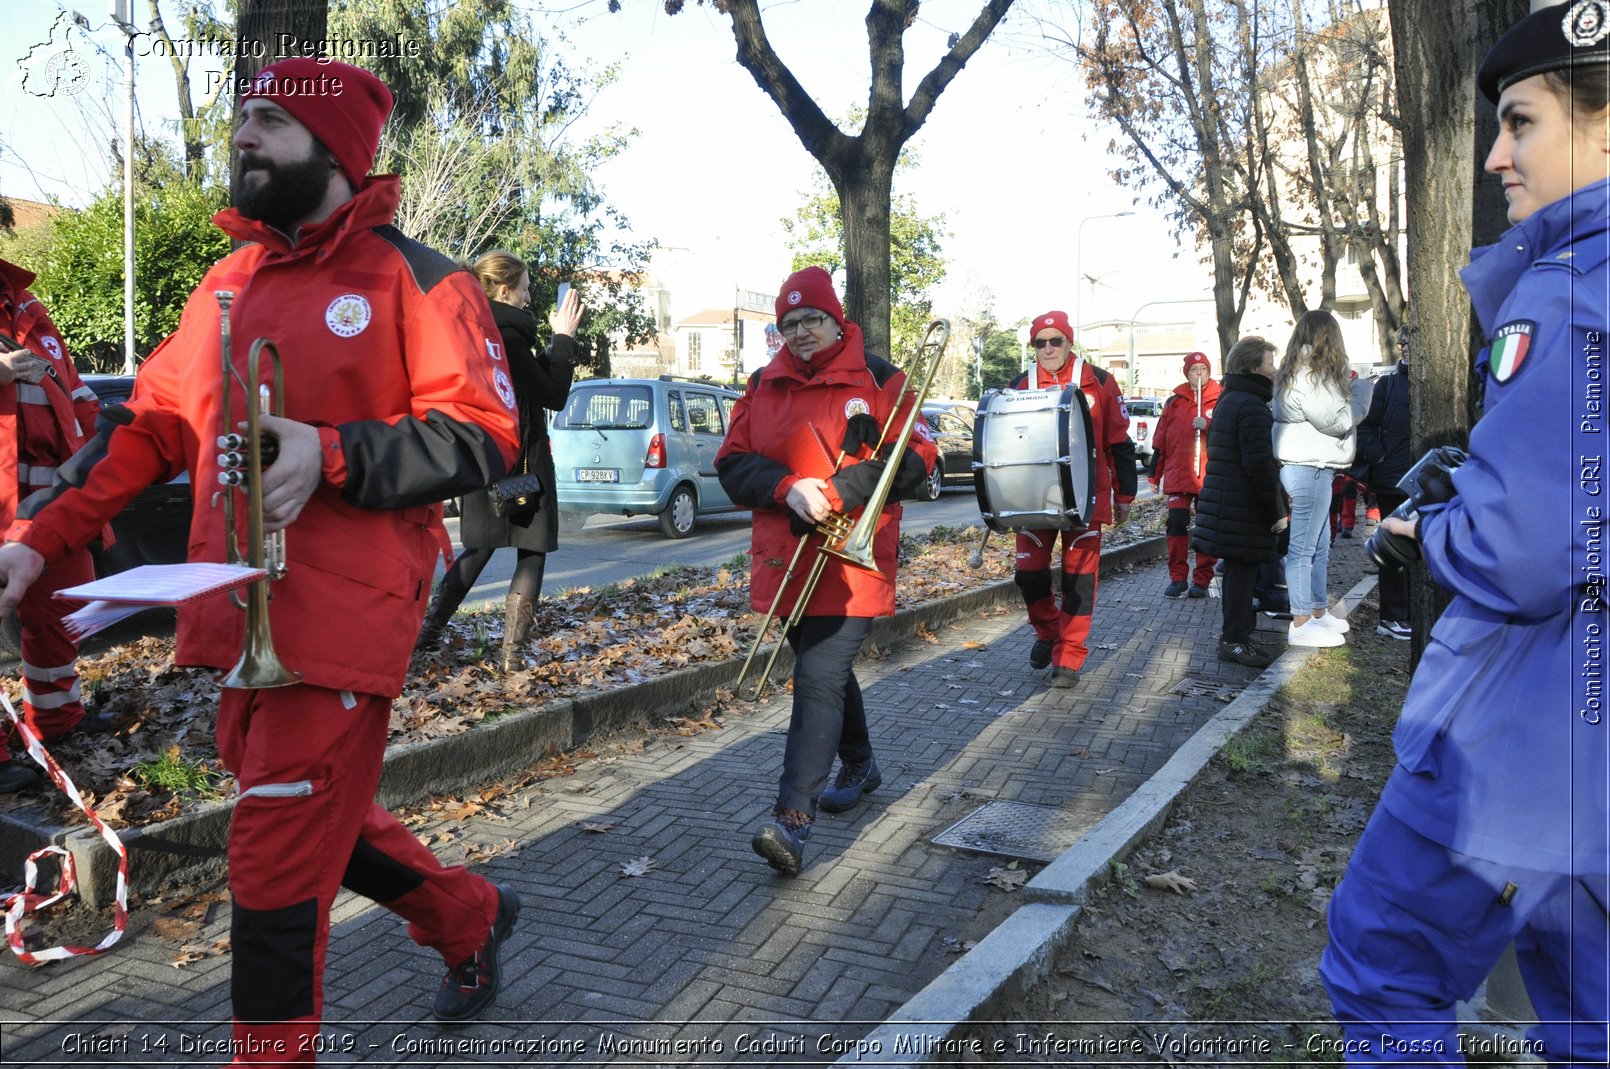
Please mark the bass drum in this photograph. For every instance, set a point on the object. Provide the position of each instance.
(1034, 459)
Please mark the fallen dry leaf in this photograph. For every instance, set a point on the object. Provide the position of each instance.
(926, 633)
(1170, 881)
(191, 953)
(973, 645)
(597, 827)
(1007, 879)
(638, 866)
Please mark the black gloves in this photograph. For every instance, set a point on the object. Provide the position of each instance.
(861, 430)
(855, 484)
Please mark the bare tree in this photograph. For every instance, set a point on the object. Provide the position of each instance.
(861, 167)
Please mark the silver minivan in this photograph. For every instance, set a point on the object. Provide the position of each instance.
(637, 447)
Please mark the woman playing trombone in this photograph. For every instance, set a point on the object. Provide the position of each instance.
(803, 444)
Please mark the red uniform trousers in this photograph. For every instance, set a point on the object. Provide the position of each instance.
(51, 703)
(308, 761)
(1180, 507)
(1066, 623)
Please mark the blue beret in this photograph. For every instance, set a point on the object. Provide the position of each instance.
(1555, 38)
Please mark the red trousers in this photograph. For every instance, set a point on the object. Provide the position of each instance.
(51, 703)
(308, 761)
(1066, 623)
(1179, 543)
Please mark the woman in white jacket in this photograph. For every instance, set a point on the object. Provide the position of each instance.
(1316, 413)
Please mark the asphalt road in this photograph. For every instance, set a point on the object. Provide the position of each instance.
(609, 550)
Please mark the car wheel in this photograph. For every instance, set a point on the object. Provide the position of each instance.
(677, 519)
(572, 522)
(934, 483)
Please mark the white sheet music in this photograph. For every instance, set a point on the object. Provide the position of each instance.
(148, 586)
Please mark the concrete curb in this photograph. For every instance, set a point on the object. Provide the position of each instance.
(991, 978)
(191, 846)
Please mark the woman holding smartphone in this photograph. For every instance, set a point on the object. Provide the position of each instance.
(541, 381)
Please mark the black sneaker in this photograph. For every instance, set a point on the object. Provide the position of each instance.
(1197, 592)
(1040, 653)
(1244, 653)
(470, 986)
(19, 775)
(1176, 589)
(1395, 629)
(1064, 678)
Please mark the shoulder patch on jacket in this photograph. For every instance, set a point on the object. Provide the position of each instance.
(429, 267)
(882, 370)
(1511, 343)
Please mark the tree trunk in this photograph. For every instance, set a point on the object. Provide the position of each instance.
(263, 21)
(864, 190)
(1447, 131)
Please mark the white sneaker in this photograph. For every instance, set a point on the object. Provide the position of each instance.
(1313, 634)
(1331, 622)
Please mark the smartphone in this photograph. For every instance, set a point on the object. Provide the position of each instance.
(564, 291)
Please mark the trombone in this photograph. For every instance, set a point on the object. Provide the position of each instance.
(240, 466)
(850, 540)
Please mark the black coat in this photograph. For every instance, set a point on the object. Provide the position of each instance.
(1384, 435)
(1241, 497)
(541, 381)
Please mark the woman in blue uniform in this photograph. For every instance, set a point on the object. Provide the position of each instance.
(1493, 827)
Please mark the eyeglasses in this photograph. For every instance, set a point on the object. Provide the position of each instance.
(809, 322)
(1055, 343)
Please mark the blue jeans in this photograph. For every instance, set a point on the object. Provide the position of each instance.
(829, 717)
(1308, 558)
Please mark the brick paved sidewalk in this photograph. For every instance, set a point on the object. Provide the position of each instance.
(710, 946)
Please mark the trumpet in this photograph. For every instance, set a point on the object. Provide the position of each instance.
(844, 538)
(240, 466)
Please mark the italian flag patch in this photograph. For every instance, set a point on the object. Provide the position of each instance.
(1510, 345)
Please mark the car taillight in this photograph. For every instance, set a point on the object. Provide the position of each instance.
(656, 452)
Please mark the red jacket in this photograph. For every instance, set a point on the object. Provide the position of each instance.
(1179, 463)
(1109, 420)
(390, 350)
(44, 423)
(790, 425)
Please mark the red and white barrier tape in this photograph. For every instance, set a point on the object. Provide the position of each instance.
(28, 900)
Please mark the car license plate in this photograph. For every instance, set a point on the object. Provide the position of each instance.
(598, 475)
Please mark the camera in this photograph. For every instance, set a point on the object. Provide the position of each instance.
(1429, 482)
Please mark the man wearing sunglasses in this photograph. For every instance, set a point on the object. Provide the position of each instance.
(1062, 628)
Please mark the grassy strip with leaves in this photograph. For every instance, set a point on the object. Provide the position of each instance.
(161, 759)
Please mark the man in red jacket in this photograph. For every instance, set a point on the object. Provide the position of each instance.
(1180, 461)
(45, 412)
(1062, 628)
(397, 396)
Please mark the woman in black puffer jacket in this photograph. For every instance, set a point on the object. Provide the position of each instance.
(1242, 510)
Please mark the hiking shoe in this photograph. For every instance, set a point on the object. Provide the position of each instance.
(1040, 653)
(470, 986)
(1314, 635)
(1244, 653)
(98, 723)
(781, 840)
(1197, 592)
(853, 781)
(1347, 532)
(19, 775)
(1176, 589)
(1395, 629)
(1064, 678)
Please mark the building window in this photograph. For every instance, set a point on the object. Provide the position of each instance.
(695, 351)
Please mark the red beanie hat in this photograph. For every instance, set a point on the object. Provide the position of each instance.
(1193, 359)
(809, 287)
(1059, 320)
(343, 106)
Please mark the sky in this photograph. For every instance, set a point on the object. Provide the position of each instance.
(1009, 156)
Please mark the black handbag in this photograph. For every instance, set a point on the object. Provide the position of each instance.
(516, 495)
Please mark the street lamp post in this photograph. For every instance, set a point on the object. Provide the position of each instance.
(1134, 372)
(1078, 262)
(122, 12)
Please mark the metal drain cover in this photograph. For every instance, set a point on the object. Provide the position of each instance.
(1018, 829)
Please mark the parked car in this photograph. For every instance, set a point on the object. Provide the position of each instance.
(1143, 413)
(154, 528)
(952, 424)
(633, 447)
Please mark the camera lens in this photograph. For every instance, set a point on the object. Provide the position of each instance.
(1391, 551)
